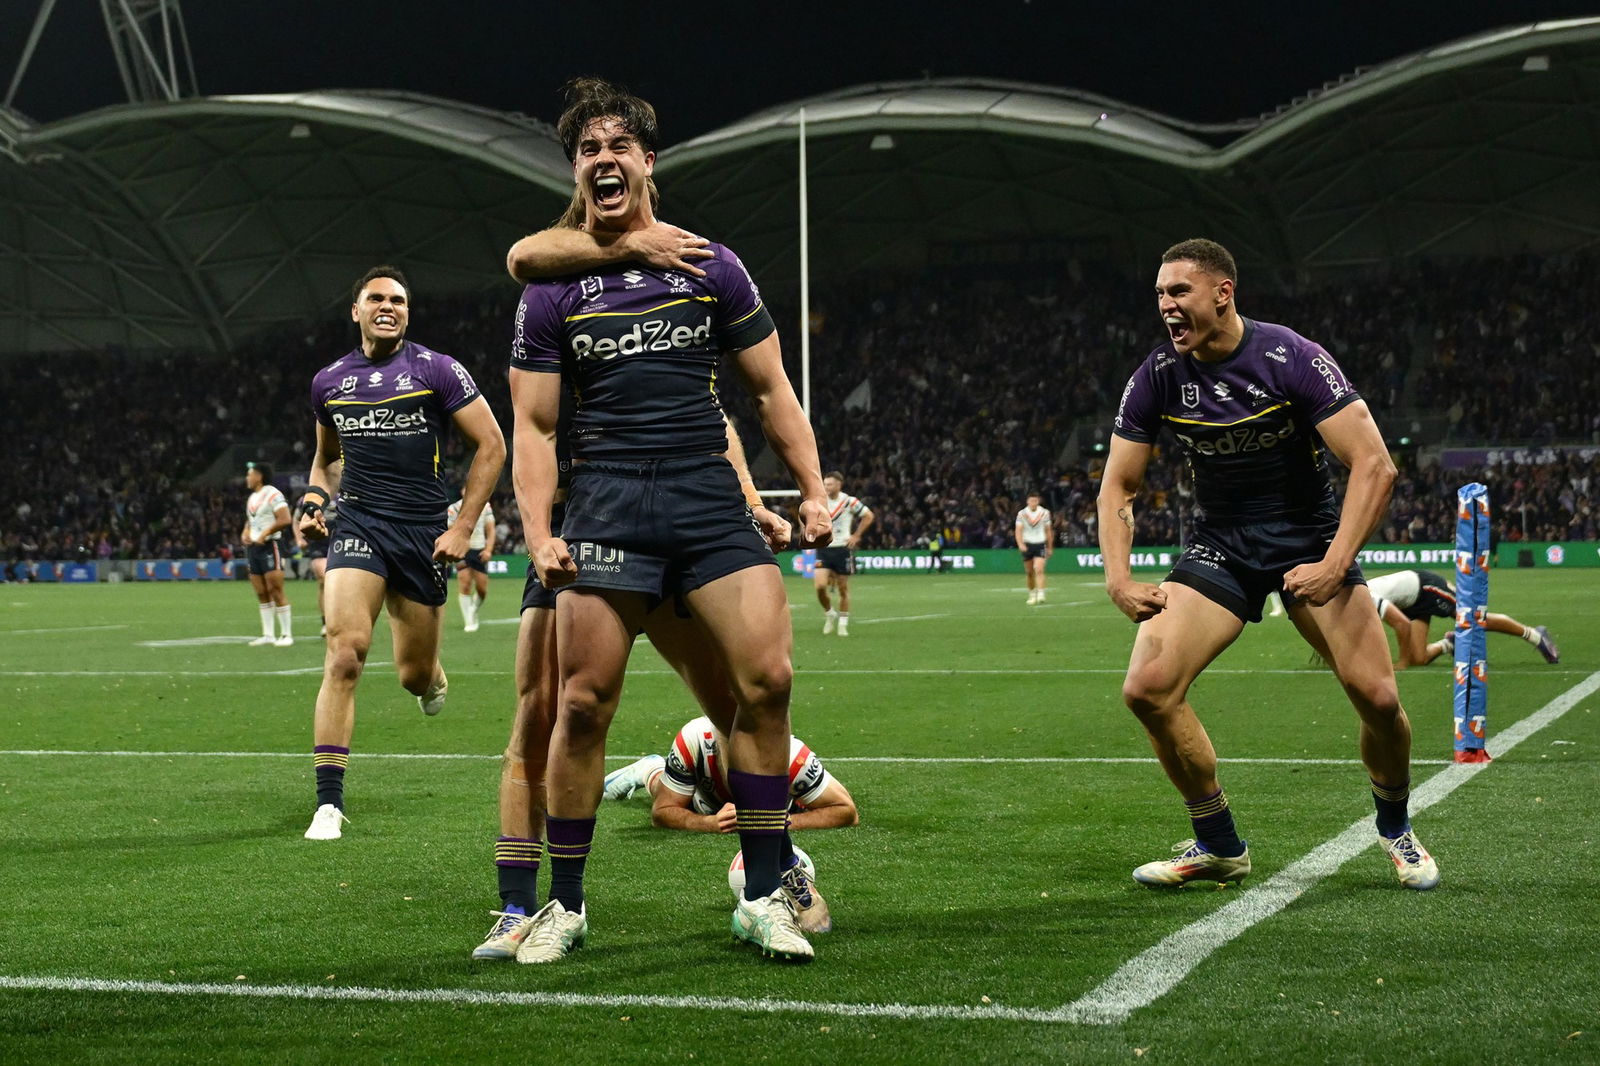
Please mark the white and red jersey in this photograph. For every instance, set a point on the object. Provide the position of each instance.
(843, 510)
(697, 766)
(261, 511)
(1034, 524)
(480, 532)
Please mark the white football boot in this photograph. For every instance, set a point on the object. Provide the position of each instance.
(1194, 862)
(327, 823)
(620, 784)
(810, 909)
(555, 932)
(830, 622)
(263, 642)
(431, 702)
(771, 925)
(505, 936)
(1412, 863)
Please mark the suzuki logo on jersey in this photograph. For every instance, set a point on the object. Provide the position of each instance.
(1239, 440)
(375, 378)
(590, 287)
(1191, 394)
(381, 419)
(656, 335)
(1221, 389)
(634, 279)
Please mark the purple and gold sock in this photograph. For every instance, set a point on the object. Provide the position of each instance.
(516, 861)
(330, 761)
(1392, 803)
(762, 801)
(1213, 825)
(567, 840)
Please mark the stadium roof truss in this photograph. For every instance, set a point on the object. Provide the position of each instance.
(194, 222)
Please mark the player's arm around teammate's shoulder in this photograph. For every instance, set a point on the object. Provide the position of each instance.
(1126, 462)
(1352, 435)
(561, 251)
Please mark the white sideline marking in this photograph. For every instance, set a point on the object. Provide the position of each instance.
(901, 618)
(1154, 972)
(1047, 760)
(916, 1011)
(194, 642)
(58, 629)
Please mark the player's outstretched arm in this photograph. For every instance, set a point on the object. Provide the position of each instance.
(322, 483)
(555, 253)
(788, 431)
(834, 809)
(477, 424)
(671, 810)
(1353, 436)
(1126, 463)
(535, 408)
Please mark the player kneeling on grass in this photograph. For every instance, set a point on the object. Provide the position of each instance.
(689, 791)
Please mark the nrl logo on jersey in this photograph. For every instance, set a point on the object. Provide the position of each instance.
(1190, 396)
(348, 384)
(591, 287)
(634, 279)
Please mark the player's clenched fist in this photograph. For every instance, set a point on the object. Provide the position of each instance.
(553, 563)
(1138, 600)
(815, 526)
(451, 546)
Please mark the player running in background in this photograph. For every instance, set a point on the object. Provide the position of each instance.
(653, 513)
(385, 408)
(1252, 405)
(836, 562)
(266, 516)
(1033, 541)
(1410, 599)
(472, 572)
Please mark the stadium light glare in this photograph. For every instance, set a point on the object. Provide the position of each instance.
(882, 142)
(299, 131)
(1536, 64)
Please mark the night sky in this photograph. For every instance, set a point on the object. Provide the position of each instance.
(704, 63)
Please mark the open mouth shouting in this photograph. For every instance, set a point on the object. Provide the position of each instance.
(1177, 328)
(610, 191)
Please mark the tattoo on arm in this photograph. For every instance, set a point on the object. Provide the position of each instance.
(1126, 515)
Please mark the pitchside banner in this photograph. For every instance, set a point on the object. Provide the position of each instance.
(1472, 603)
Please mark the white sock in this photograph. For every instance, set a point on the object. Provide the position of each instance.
(466, 606)
(266, 619)
(831, 612)
(284, 629)
(843, 617)
(1529, 635)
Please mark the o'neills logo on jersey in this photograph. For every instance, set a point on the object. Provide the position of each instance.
(656, 335)
(1239, 441)
(380, 419)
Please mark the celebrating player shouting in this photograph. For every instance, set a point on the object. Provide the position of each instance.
(1251, 405)
(653, 512)
(385, 409)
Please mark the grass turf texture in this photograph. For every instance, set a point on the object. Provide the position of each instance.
(965, 880)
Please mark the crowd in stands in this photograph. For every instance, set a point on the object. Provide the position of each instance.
(945, 399)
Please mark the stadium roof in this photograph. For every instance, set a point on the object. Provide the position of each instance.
(197, 222)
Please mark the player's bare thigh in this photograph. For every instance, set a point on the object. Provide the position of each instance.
(746, 614)
(538, 681)
(1171, 649)
(685, 647)
(415, 628)
(353, 599)
(1347, 633)
(258, 582)
(594, 635)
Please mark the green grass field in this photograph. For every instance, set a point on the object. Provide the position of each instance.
(974, 902)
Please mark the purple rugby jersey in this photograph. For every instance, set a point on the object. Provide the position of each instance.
(1247, 424)
(392, 417)
(639, 348)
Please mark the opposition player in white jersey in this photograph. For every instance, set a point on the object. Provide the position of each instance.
(267, 515)
(472, 572)
(1408, 600)
(689, 791)
(1033, 541)
(835, 563)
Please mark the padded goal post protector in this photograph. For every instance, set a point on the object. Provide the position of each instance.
(1472, 603)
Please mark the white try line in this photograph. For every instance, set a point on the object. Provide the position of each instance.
(1154, 972)
(913, 760)
(56, 629)
(912, 1011)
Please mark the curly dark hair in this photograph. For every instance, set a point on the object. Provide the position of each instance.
(592, 98)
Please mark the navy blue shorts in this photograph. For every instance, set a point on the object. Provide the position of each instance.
(264, 558)
(535, 595)
(663, 528)
(1240, 566)
(317, 549)
(1034, 551)
(399, 552)
(471, 561)
(839, 560)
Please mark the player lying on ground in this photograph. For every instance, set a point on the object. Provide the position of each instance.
(1252, 405)
(1409, 600)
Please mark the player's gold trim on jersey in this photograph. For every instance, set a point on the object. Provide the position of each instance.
(646, 311)
(370, 403)
(743, 318)
(1246, 418)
